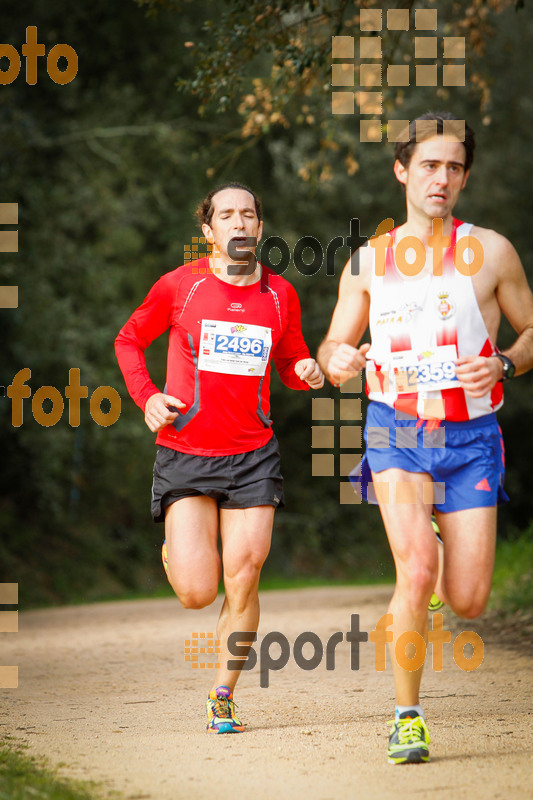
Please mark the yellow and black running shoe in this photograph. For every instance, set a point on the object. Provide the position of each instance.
(408, 740)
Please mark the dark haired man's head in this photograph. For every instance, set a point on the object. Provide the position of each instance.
(204, 212)
(429, 125)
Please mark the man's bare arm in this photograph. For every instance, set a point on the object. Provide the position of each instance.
(516, 302)
(478, 375)
(338, 354)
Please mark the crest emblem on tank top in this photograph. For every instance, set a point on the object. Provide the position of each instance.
(446, 306)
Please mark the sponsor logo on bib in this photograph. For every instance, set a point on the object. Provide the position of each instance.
(399, 316)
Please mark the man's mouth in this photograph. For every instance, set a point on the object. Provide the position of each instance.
(240, 247)
(440, 196)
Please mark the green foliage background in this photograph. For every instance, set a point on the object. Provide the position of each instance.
(107, 171)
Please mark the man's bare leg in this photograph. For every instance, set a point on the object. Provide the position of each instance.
(246, 535)
(194, 571)
(466, 568)
(414, 548)
(468, 559)
(463, 576)
(194, 566)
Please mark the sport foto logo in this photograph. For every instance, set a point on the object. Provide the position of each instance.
(32, 50)
(246, 657)
(18, 390)
(409, 252)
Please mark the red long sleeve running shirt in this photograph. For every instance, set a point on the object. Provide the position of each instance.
(221, 341)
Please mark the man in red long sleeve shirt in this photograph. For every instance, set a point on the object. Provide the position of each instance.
(217, 466)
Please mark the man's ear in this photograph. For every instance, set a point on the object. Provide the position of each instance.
(260, 231)
(400, 171)
(208, 233)
(467, 175)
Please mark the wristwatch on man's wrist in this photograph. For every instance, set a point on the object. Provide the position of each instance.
(508, 367)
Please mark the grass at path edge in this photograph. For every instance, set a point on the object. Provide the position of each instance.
(23, 777)
(512, 585)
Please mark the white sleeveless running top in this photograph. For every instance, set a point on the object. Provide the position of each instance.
(418, 328)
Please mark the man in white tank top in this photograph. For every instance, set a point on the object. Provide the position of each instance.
(432, 292)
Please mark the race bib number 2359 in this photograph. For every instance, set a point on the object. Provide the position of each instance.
(428, 371)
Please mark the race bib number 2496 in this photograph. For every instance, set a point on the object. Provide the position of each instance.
(234, 348)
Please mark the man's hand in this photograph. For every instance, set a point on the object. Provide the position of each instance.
(157, 414)
(478, 374)
(308, 370)
(346, 361)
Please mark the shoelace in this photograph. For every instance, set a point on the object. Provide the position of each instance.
(411, 728)
(224, 708)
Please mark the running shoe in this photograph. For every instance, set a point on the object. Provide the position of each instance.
(408, 740)
(436, 529)
(164, 556)
(220, 712)
(435, 602)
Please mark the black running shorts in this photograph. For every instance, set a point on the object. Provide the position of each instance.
(242, 480)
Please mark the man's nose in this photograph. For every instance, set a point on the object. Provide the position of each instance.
(442, 175)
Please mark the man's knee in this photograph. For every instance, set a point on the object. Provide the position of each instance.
(242, 582)
(245, 569)
(195, 597)
(467, 598)
(418, 583)
(468, 607)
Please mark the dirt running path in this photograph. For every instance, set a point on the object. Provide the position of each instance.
(105, 690)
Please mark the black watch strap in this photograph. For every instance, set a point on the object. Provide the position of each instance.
(508, 367)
